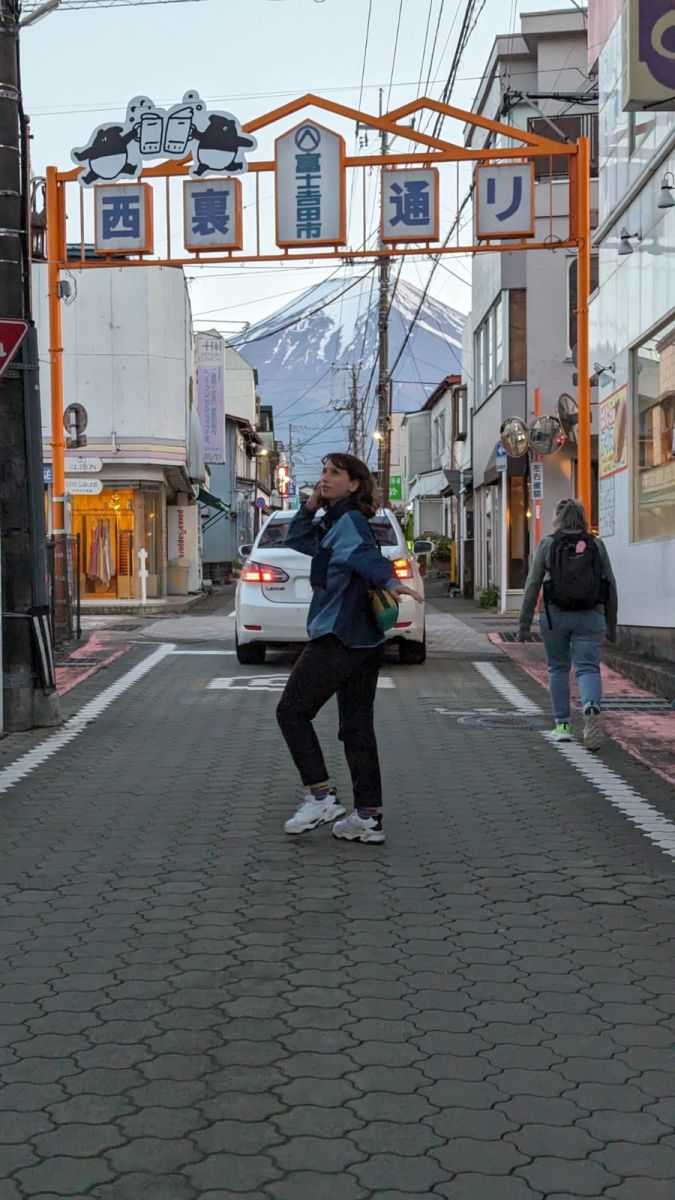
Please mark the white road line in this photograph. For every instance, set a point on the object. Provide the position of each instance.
(61, 737)
(620, 794)
(509, 691)
(267, 683)
(176, 653)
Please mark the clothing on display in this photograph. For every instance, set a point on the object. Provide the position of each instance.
(101, 564)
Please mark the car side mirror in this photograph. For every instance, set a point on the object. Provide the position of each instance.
(245, 550)
(423, 547)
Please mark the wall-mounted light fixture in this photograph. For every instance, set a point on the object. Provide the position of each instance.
(666, 199)
(625, 239)
(602, 372)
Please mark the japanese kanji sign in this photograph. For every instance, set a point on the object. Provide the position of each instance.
(505, 200)
(123, 219)
(214, 140)
(212, 214)
(310, 187)
(209, 360)
(410, 205)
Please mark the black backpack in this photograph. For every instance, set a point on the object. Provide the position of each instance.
(575, 579)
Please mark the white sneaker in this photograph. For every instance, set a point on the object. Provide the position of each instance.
(313, 812)
(355, 828)
(593, 735)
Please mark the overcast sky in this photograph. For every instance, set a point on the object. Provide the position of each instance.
(80, 68)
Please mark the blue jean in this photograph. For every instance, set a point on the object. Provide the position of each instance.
(575, 640)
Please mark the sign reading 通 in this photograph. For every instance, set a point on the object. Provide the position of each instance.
(123, 219)
(310, 187)
(215, 141)
(505, 200)
(410, 205)
(212, 214)
(649, 67)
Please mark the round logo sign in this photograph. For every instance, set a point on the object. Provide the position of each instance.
(307, 138)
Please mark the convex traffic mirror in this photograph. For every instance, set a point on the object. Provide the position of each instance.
(546, 435)
(514, 437)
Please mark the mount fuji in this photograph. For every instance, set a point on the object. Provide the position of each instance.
(302, 351)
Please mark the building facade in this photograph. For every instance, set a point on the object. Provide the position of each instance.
(633, 329)
(521, 332)
(128, 360)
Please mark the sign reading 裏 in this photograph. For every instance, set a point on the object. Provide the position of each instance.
(613, 440)
(410, 205)
(505, 200)
(212, 215)
(310, 187)
(209, 353)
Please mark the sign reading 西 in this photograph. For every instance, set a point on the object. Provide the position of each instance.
(310, 187)
(123, 219)
(504, 200)
(410, 205)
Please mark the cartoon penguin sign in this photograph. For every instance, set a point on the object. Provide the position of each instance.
(215, 141)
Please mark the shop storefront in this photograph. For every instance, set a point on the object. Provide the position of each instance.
(113, 527)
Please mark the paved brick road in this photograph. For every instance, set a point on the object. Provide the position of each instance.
(199, 1007)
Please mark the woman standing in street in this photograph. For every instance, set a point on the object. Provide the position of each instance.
(344, 649)
(580, 609)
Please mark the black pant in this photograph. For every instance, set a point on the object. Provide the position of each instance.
(327, 667)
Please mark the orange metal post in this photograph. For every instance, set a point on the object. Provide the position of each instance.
(537, 458)
(54, 252)
(583, 349)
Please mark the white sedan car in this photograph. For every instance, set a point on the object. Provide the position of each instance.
(273, 591)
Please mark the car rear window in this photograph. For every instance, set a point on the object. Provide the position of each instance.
(274, 534)
(385, 534)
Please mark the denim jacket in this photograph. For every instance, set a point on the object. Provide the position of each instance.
(346, 564)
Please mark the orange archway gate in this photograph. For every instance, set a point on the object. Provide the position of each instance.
(426, 151)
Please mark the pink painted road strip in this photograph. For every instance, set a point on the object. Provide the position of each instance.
(648, 736)
(69, 677)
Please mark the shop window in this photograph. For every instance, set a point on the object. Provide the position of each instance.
(153, 541)
(106, 525)
(489, 351)
(517, 531)
(654, 435)
(459, 414)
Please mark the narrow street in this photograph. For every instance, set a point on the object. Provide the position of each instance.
(199, 1007)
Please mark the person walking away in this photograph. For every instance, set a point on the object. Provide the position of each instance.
(344, 650)
(579, 610)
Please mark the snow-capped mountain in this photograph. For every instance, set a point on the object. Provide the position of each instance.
(302, 350)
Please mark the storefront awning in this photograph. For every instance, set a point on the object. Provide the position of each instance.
(208, 497)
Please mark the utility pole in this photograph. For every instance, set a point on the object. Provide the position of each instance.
(355, 436)
(22, 525)
(383, 343)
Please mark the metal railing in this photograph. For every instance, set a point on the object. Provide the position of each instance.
(63, 565)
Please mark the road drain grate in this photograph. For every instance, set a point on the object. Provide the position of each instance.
(635, 704)
(513, 637)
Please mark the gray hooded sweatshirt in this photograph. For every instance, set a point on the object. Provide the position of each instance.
(537, 575)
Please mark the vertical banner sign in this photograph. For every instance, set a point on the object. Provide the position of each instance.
(209, 358)
(505, 200)
(649, 68)
(212, 215)
(409, 205)
(310, 187)
(537, 481)
(123, 219)
(613, 441)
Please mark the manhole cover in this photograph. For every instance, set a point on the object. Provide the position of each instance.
(504, 720)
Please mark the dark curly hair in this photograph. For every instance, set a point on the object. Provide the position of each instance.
(365, 497)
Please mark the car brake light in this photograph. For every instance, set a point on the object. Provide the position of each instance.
(403, 568)
(253, 572)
